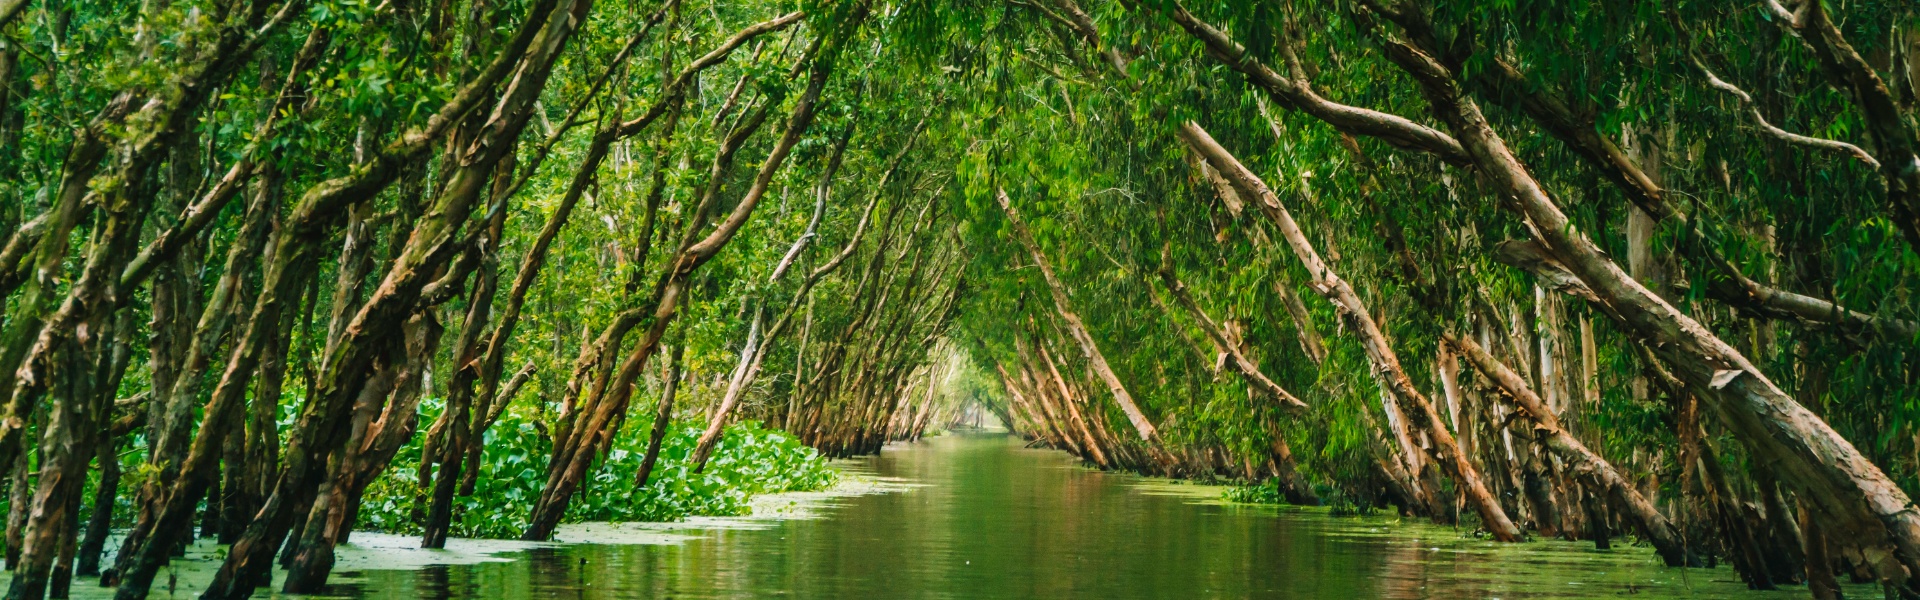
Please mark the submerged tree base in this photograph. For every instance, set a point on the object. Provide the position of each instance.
(369, 551)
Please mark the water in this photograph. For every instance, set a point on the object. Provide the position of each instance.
(990, 519)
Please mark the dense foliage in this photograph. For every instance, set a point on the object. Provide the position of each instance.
(1542, 269)
(749, 462)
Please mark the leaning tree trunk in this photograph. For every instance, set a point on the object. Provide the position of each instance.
(312, 558)
(1075, 420)
(1845, 487)
(1285, 471)
(750, 355)
(490, 400)
(56, 369)
(599, 357)
(715, 427)
(458, 414)
(662, 417)
(1585, 463)
(1089, 349)
(172, 420)
(1386, 364)
(1241, 364)
(106, 448)
(77, 404)
(285, 274)
(596, 427)
(348, 365)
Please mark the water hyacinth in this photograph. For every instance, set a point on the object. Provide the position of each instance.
(750, 460)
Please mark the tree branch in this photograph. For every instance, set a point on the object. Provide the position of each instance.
(1241, 363)
(1299, 95)
(1746, 102)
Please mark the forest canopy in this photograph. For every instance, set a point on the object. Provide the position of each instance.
(1540, 269)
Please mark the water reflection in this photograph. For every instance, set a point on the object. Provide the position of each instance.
(995, 520)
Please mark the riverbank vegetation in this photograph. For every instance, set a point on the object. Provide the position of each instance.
(748, 462)
(1542, 270)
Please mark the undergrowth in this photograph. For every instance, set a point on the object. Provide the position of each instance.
(749, 461)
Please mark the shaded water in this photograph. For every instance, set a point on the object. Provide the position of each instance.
(990, 519)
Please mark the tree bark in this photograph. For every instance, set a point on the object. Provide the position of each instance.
(750, 355)
(1640, 181)
(662, 417)
(715, 427)
(569, 465)
(1077, 420)
(1090, 350)
(1246, 367)
(1584, 463)
(459, 412)
(1824, 467)
(172, 421)
(1386, 364)
(106, 445)
(1891, 130)
(316, 432)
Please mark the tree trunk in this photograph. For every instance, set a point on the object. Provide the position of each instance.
(1821, 583)
(171, 419)
(316, 432)
(1096, 360)
(105, 494)
(1245, 366)
(1585, 463)
(569, 464)
(1824, 467)
(750, 357)
(711, 435)
(1078, 421)
(458, 413)
(1386, 364)
(75, 405)
(313, 556)
(662, 417)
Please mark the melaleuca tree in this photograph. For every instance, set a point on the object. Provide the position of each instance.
(1549, 267)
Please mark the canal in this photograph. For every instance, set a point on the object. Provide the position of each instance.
(980, 516)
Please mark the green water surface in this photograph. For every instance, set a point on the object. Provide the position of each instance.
(991, 519)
